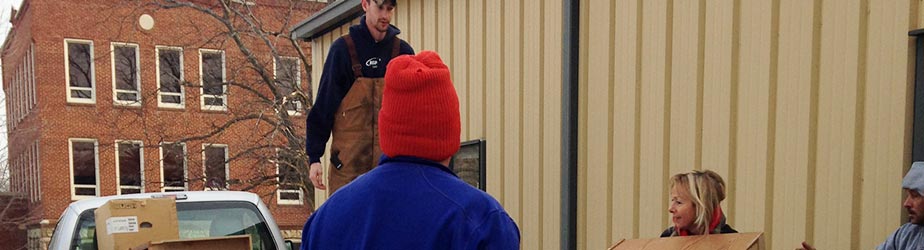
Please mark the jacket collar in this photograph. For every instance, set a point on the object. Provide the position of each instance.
(415, 160)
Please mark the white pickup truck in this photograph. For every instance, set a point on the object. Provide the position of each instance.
(200, 213)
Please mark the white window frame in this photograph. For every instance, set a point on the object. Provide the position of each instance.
(70, 152)
(21, 90)
(32, 73)
(280, 191)
(33, 173)
(245, 2)
(115, 90)
(16, 95)
(67, 75)
(224, 86)
(205, 166)
(118, 177)
(163, 185)
(38, 175)
(160, 94)
(298, 82)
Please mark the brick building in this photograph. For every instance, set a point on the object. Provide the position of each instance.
(105, 97)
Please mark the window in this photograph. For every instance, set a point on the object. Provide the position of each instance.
(216, 166)
(79, 57)
(288, 190)
(469, 163)
(173, 166)
(170, 77)
(84, 168)
(125, 77)
(38, 180)
(32, 72)
(288, 81)
(129, 159)
(212, 73)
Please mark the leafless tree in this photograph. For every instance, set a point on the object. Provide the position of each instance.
(17, 195)
(263, 91)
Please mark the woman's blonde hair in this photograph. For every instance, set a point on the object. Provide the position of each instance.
(707, 191)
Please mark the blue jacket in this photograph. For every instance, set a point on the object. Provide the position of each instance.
(410, 203)
(909, 236)
(337, 79)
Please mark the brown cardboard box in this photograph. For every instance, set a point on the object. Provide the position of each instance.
(125, 223)
(739, 241)
(237, 242)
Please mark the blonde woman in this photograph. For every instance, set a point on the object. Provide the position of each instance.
(695, 204)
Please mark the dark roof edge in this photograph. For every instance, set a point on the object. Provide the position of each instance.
(328, 18)
(917, 32)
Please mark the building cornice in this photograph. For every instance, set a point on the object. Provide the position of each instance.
(327, 19)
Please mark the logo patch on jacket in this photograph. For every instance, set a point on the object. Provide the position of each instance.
(373, 62)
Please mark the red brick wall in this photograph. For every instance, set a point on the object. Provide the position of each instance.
(49, 22)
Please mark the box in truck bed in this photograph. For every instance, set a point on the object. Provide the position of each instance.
(125, 223)
(237, 242)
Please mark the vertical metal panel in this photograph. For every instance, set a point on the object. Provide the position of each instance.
(717, 72)
(552, 148)
(414, 27)
(753, 126)
(626, 51)
(837, 114)
(654, 124)
(430, 21)
(454, 41)
(476, 36)
(883, 141)
(531, 126)
(791, 152)
(597, 207)
(684, 85)
(493, 97)
(401, 19)
(581, 59)
(511, 66)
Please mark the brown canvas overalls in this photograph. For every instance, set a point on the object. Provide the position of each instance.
(355, 144)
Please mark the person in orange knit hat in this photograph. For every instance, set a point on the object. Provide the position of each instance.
(412, 200)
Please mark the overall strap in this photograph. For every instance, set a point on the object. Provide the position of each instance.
(354, 59)
(396, 48)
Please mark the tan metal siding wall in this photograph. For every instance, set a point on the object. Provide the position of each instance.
(803, 106)
(505, 58)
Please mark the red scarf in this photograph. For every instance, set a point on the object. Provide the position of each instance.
(716, 218)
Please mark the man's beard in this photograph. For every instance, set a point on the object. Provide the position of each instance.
(382, 29)
(915, 218)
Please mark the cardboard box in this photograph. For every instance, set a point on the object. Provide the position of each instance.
(739, 241)
(125, 223)
(237, 242)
